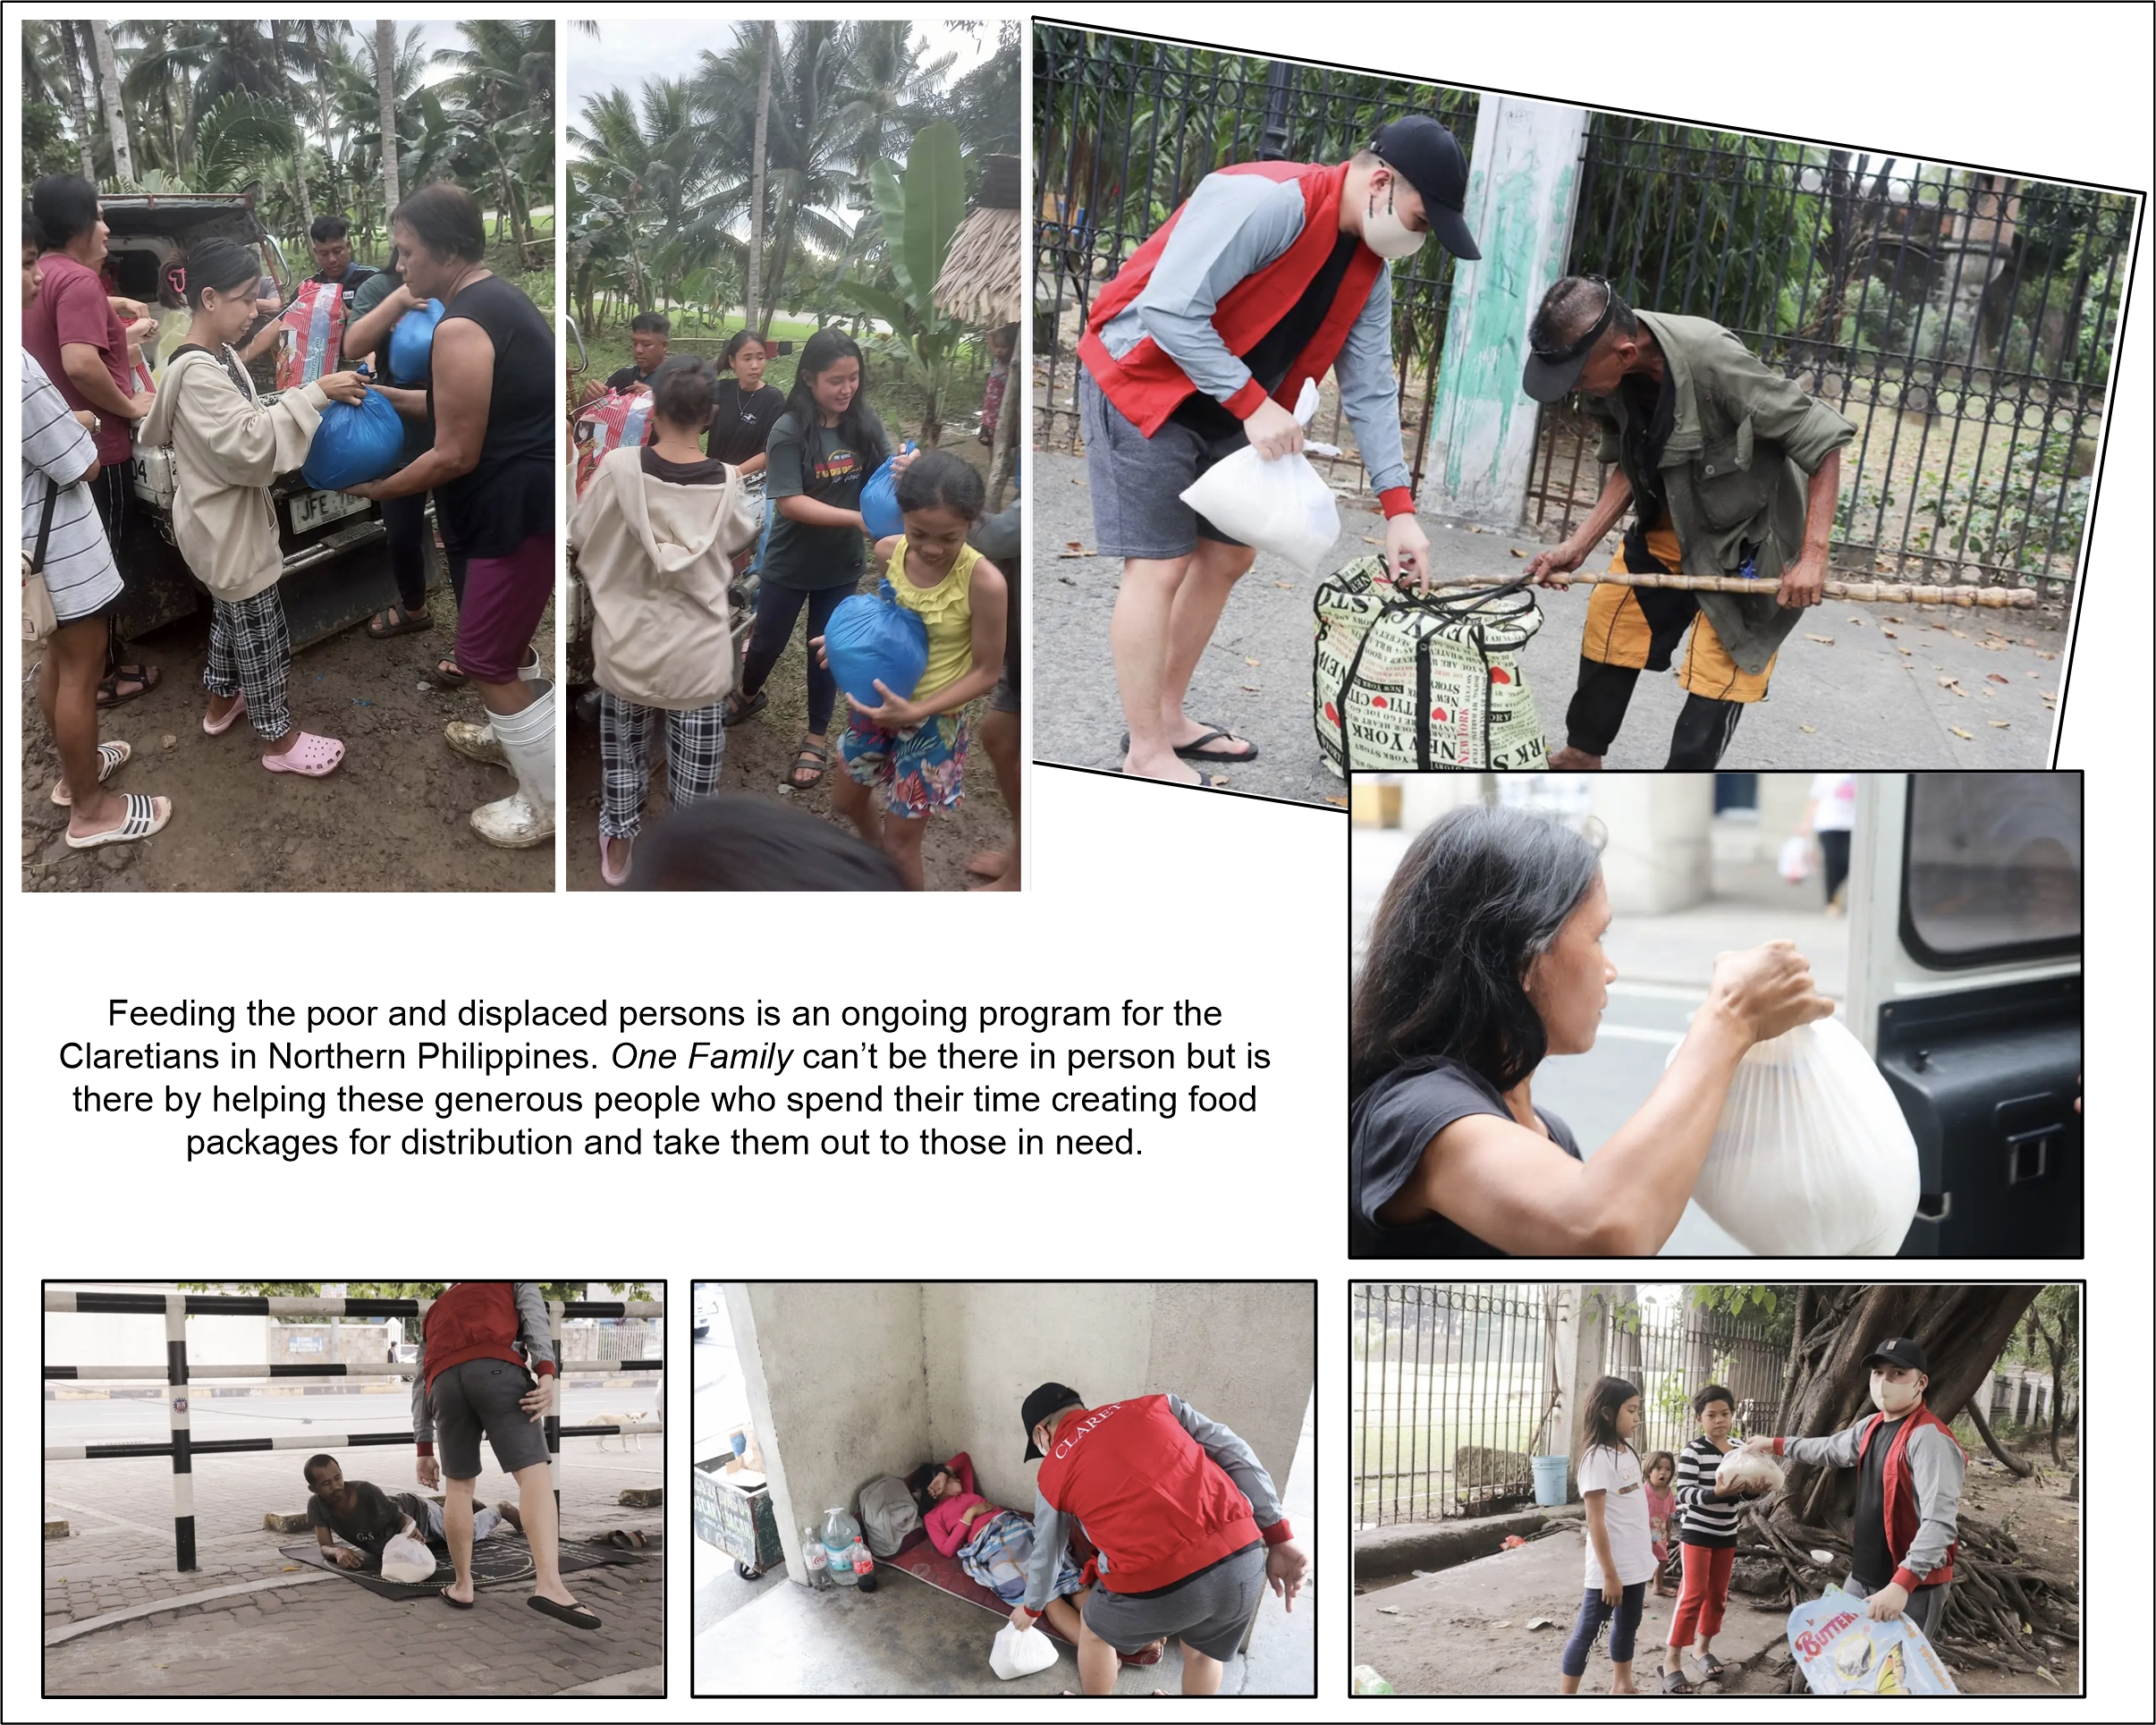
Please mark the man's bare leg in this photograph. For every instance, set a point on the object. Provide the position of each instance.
(1097, 1662)
(1201, 1672)
(456, 1527)
(542, 1522)
(1214, 570)
(1139, 636)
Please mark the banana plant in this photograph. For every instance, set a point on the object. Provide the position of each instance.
(919, 212)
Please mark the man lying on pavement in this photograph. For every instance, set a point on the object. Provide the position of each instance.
(367, 1517)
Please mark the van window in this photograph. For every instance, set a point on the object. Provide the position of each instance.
(1992, 868)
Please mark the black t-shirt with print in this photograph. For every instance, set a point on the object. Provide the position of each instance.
(377, 1516)
(821, 464)
(741, 423)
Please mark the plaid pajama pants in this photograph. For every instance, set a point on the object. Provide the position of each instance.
(695, 748)
(250, 654)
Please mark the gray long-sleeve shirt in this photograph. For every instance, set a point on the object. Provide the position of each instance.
(1936, 1467)
(1229, 1453)
(535, 1329)
(1234, 226)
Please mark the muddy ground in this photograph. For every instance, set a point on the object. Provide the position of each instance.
(393, 817)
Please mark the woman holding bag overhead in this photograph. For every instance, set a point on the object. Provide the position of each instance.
(1484, 958)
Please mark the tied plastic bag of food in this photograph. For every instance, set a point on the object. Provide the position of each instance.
(872, 638)
(353, 445)
(1017, 1653)
(412, 343)
(1283, 507)
(407, 1560)
(1842, 1651)
(1742, 1468)
(880, 511)
(1811, 1156)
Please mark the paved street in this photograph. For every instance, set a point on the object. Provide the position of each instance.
(1860, 702)
(323, 1636)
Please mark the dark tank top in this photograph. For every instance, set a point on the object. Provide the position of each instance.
(509, 496)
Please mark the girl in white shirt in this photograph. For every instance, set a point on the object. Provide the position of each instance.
(1620, 1543)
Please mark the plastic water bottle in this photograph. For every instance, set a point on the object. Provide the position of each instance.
(817, 1559)
(864, 1567)
(840, 1532)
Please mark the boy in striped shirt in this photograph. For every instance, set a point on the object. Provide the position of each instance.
(1707, 1521)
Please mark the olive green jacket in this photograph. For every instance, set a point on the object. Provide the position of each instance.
(1743, 440)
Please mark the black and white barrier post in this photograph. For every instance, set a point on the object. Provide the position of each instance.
(553, 1410)
(183, 1460)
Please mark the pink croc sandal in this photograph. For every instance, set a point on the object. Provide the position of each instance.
(312, 756)
(606, 871)
(218, 728)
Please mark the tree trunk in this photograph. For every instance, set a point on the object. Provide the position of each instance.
(2013, 1464)
(385, 86)
(1961, 1330)
(756, 193)
(70, 59)
(321, 80)
(2056, 1349)
(115, 114)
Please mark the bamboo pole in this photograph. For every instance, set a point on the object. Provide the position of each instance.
(1990, 598)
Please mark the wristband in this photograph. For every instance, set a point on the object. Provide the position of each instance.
(1278, 1534)
(1396, 499)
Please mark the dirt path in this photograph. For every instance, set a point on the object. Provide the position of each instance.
(392, 818)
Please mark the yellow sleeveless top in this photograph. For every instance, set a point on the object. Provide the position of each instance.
(947, 608)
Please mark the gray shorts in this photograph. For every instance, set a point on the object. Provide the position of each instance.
(481, 1395)
(1209, 1612)
(1138, 482)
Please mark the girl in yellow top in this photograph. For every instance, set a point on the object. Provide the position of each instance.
(915, 745)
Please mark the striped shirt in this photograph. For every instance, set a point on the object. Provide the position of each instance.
(1705, 1519)
(79, 568)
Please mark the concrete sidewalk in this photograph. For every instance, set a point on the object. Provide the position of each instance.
(1854, 700)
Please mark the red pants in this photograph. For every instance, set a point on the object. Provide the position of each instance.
(1700, 1600)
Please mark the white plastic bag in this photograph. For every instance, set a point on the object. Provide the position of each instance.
(407, 1560)
(1748, 1467)
(1283, 507)
(1796, 859)
(1020, 1653)
(1811, 1157)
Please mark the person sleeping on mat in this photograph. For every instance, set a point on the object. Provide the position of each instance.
(994, 1544)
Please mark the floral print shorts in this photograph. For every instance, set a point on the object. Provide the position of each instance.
(924, 768)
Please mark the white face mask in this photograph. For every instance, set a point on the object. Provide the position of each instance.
(1892, 1398)
(1385, 234)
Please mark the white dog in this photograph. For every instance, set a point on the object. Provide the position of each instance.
(631, 1425)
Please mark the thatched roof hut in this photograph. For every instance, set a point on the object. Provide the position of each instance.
(984, 271)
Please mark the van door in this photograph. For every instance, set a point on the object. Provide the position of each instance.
(1965, 982)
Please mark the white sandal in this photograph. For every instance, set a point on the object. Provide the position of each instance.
(109, 757)
(144, 816)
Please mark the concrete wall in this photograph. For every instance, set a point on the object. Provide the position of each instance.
(130, 1339)
(1657, 859)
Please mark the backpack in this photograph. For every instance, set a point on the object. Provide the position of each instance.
(888, 1516)
(1409, 682)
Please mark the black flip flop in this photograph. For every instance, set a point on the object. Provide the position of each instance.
(461, 1604)
(1194, 751)
(578, 1617)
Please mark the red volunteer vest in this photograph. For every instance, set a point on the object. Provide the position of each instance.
(472, 1320)
(1904, 1514)
(1155, 1503)
(1146, 385)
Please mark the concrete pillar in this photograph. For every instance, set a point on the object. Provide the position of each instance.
(1584, 1311)
(1660, 854)
(1523, 181)
(1424, 796)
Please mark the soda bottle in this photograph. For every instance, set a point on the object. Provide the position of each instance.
(864, 1567)
(817, 1559)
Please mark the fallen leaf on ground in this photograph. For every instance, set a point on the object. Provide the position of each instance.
(1964, 735)
(1249, 689)
(1478, 529)
(1809, 730)
(2035, 673)
(1074, 544)
(1959, 634)
(2047, 656)
(1538, 1622)
(1907, 652)
(1288, 585)
(1250, 662)
(1369, 541)
(1992, 643)
(1888, 633)
(1893, 619)
(1993, 676)
(1502, 1623)
(1390, 1610)
(1337, 802)
(1219, 779)
(2030, 640)
(1946, 681)
(1068, 555)
(1517, 552)
(2002, 724)
(1824, 641)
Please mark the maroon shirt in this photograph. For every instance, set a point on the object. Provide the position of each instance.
(72, 307)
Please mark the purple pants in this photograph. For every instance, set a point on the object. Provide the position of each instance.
(503, 599)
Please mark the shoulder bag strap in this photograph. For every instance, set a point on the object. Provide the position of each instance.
(45, 525)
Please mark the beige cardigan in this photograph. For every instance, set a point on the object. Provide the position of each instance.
(658, 558)
(227, 447)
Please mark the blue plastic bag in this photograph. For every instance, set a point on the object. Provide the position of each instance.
(412, 343)
(872, 637)
(880, 501)
(354, 445)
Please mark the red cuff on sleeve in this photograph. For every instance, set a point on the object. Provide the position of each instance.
(1396, 499)
(426, 1449)
(1778, 1443)
(1278, 1534)
(1245, 401)
(1906, 1582)
(546, 1368)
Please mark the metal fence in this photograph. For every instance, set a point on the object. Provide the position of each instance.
(1124, 129)
(1966, 322)
(1454, 1387)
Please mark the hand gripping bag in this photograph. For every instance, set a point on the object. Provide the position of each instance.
(1841, 1652)
(880, 501)
(412, 344)
(617, 420)
(1401, 681)
(1812, 1157)
(1748, 1467)
(888, 1515)
(1017, 1653)
(407, 1560)
(872, 635)
(1283, 507)
(316, 318)
(354, 445)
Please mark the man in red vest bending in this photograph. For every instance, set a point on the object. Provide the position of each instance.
(1186, 1522)
(1903, 1538)
(1272, 272)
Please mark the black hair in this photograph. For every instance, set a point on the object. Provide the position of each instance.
(445, 219)
(918, 1480)
(736, 843)
(1570, 308)
(650, 323)
(1600, 1423)
(1713, 1393)
(219, 264)
(33, 236)
(820, 352)
(315, 1462)
(735, 342)
(1480, 893)
(680, 393)
(63, 205)
(940, 479)
(327, 228)
(1656, 1460)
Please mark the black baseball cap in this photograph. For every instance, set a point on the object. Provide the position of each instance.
(1552, 372)
(1049, 1398)
(1431, 160)
(1900, 1351)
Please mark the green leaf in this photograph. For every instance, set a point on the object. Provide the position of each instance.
(936, 204)
(879, 302)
